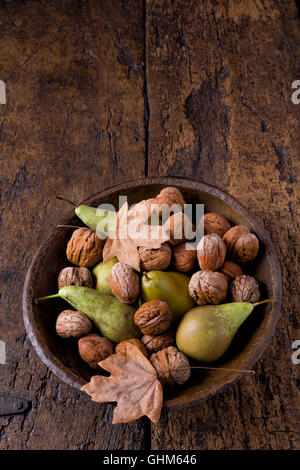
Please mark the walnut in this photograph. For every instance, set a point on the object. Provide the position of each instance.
(231, 270)
(170, 196)
(180, 228)
(124, 283)
(85, 248)
(184, 259)
(153, 317)
(156, 343)
(171, 365)
(208, 287)
(242, 245)
(74, 277)
(155, 259)
(211, 252)
(214, 223)
(121, 348)
(94, 348)
(72, 324)
(245, 289)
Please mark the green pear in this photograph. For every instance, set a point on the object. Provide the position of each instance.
(97, 219)
(103, 221)
(172, 287)
(111, 317)
(205, 333)
(102, 272)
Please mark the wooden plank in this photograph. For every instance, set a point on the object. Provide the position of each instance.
(219, 96)
(219, 89)
(73, 124)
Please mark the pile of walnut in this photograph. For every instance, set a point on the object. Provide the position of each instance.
(219, 255)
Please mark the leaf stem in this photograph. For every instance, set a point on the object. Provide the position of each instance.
(223, 368)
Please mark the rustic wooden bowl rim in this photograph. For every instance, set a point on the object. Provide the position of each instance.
(70, 377)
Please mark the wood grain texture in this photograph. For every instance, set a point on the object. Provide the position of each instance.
(218, 95)
(219, 90)
(73, 123)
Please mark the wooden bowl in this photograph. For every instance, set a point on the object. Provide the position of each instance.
(61, 356)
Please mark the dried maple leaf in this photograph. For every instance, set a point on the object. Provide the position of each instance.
(132, 231)
(133, 384)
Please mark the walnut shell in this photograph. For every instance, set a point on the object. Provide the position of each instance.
(85, 248)
(245, 289)
(153, 317)
(231, 270)
(121, 348)
(180, 228)
(214, 223)
(156, 343)
(170, 196)
(184, 259)
(211, 252)
(72, 324)
(171, 365)
(94, 348)
(124, 283)
(242, 245)
(75, 277)
(155, 259)
(208, 287)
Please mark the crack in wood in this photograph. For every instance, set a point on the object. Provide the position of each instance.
(146, 96)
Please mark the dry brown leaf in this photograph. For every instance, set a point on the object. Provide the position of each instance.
(125, 250)
(133, 384)
(132, 231)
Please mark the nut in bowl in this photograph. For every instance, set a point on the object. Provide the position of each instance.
(249, 260)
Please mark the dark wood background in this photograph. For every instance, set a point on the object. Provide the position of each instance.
(99, 92)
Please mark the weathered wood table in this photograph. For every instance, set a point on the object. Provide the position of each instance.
(98, 92)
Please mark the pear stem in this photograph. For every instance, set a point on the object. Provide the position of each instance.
(67, 200)
(70, 226)
(54, 296)
(146, 276)
(223, 368)
(75, 226)
(263, 302)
